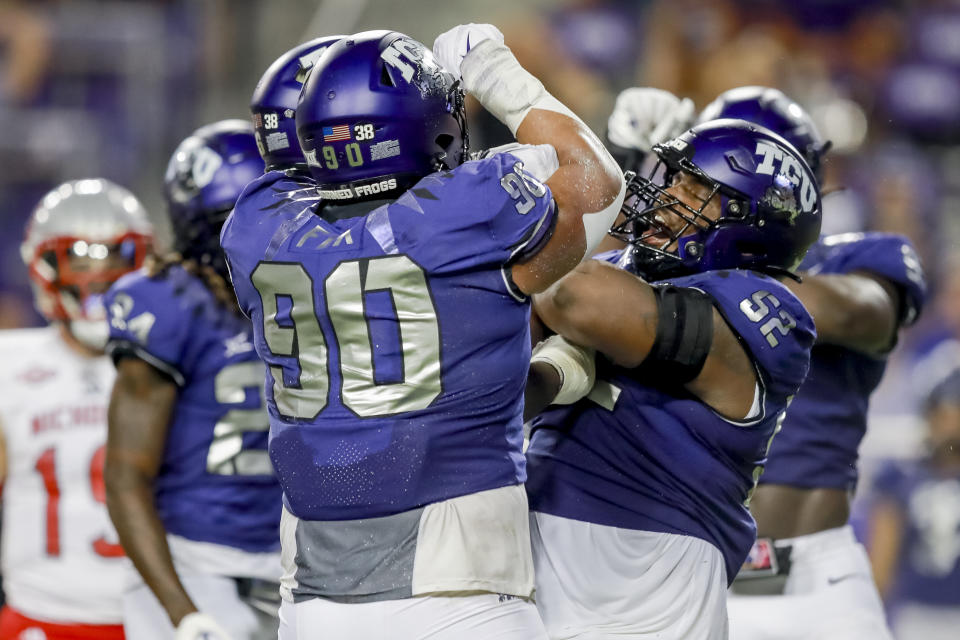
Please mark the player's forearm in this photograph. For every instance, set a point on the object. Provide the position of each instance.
(599, 306)
(849, 310)
(143, 537)
(543, 385)
(885, 540)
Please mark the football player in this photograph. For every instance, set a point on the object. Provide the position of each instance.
(61, 563)
(860, 288)
(915, 526)
(189, 483)
(390, 302)
(639, 490)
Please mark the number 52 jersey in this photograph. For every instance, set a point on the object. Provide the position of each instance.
(639, 453)
(397, 346)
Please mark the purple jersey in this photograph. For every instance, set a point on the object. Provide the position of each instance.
(397, 346)
(828, 418)
(929, 568)
(215, 483)
(641, 454)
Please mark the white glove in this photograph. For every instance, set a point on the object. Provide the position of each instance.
(200, 626)
(451, 46)
(574, 363)
(644, 116)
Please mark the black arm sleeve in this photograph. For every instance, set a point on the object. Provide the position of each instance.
(684, 334)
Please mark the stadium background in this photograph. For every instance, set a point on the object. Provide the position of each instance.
(91, 88)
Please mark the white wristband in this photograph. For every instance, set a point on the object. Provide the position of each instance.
(574, 363)
(493, 76)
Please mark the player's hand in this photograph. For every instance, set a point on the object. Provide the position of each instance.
(452, 46)
(644, 116)
(200, 626)
(574, 363)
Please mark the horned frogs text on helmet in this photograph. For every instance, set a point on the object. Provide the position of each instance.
(82, 237)
(274, 104)
(769, 203)
(206, 174)
(376, 114)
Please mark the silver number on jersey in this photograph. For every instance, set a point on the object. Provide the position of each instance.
(344, 291)
(523, 188)
(303, 341)
(139, 325)
(226, 455)
(419, 331)
(756, 310)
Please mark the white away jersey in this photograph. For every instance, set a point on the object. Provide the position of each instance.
(60, 558)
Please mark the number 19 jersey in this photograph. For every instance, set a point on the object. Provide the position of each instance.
(397, 346)
(61, 561)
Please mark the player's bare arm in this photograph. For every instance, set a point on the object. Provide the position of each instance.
(139, 414)
(858, 311)
(587, 186)
(887, 526)
(587, 181)
(600, 306)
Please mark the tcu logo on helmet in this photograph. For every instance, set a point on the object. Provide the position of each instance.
(416, 64)
(194, 165)
(789, 167)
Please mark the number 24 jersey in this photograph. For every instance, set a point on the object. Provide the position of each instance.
(397, 346)
(215, 483)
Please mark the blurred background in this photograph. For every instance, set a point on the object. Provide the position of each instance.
(107, 88)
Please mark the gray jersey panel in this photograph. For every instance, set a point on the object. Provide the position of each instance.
(357, 560)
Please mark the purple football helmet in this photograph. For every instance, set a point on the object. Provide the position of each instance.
(772, 109)
(204, 178)
(769, 203)
(376, 114)
(274, 104)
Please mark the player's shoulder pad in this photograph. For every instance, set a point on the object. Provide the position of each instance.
(490, 207)
(772, 323)
(265, 205)
(481, 188)
(890, 256)
(264, 198)
(153, 317)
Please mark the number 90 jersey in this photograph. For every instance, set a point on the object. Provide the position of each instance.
(215, 483)
(61, 561)
(641, 454)
(397, 346)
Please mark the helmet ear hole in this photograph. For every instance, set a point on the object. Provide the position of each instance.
(444, 140)
(385, 78)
